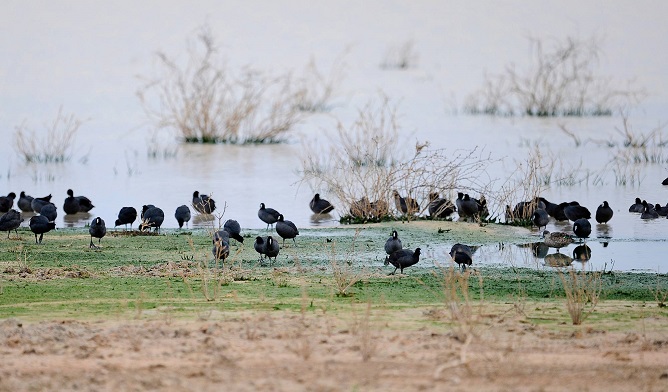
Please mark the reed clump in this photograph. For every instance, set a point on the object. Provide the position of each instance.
(54, 145)
(583, 291)
(561, 80)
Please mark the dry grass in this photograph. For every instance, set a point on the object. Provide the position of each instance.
(53, 146)
(344, 273)
(315, 89)
(583, 291)
(400, 56)
(206, 102)
(368, 160)
(560, 81)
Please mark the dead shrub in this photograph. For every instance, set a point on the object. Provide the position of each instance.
(55, 146)
(583, 291)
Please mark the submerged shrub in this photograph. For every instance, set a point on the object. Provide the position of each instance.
(54, 145)
(562, 81)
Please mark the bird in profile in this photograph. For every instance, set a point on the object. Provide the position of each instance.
(98, 230)
(49, 211)
(320, 206)
(405, 205)
(604, 213)
(393, 243)
(582, 228)
(557, 239)
(127, 215)
(203, 203)
(267, 215)
(438, 207)
(540, 218)
(403, 258)
(662, 211)
(525, 209)
(234, 229)
(75, 204)
(7, 202)
(151, 216)
(286, 229)
(182, 215)
(39, 224)
(9, 221)
(25, 202)
(38, 202)
(637, 206)
(462, 255)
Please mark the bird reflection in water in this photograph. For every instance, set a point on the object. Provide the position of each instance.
(582, 253)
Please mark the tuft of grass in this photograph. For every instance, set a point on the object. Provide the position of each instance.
(583, 292)
(400, 56)
(54, 146)
(561, 80)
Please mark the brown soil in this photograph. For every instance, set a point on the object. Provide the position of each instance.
(275, 351)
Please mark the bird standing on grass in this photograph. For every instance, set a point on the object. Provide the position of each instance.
(221, 246)
(9, 221)
(320, 206)
(39, 224)
(98, 230)
(405, 205)
(234, 229)
(438, 207)
(203, 203)
(49, 211)
(151, 216)
(462, 255)
(403, 258)
(393, 243)
(286, 229)
(267, 215)
(127, 215)
(182, 215)
(271, 248)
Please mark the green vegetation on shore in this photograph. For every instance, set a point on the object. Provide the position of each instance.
(174, 273)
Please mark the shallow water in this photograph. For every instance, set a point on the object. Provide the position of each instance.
(88, 60)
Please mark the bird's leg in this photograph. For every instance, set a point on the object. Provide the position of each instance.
(40, 237)
(35, 238)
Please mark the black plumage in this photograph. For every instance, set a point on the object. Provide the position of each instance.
(221, 246)
(258, 245)
(462, 255)
(575, 211)
(286, 229)
(637, 206)
(267, 215)
(648, 211)
(468, 208)
(39, 224)
(234, 229)
(271, 248)
(7, 202)
(182, 215)
(10, 220)
(98, 230)
(75, 204)
(203, 203)
(393, 243)
(540, 218)
(151, 216)
(582, 228)
(604, 213)
(403, 258)
(127, 215)
(320, 206)
(38, 202)
(49, 211)
(25, 202)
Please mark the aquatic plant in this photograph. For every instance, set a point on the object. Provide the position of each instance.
(368, 160)
(560, 81)
(400, 56)
(315, 89)
(206, 102)
(54, 146)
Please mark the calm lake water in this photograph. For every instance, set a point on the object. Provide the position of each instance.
(86, 58)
